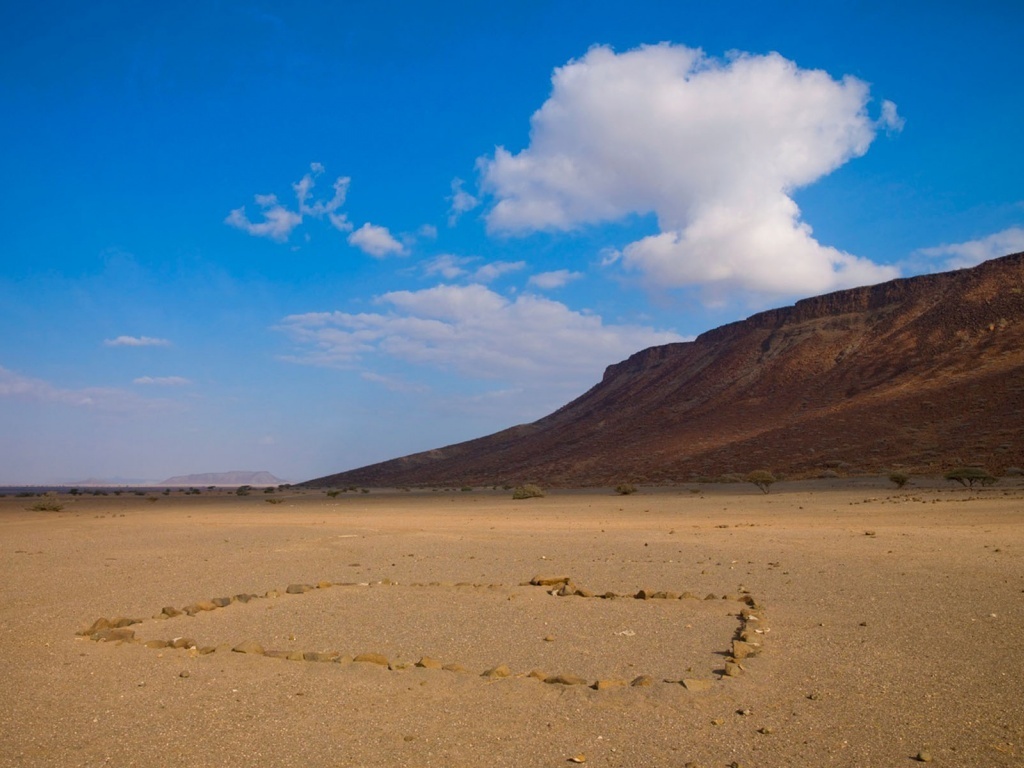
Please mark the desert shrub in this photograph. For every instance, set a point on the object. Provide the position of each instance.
(528, 491)
(899, 478)
(46, 506)
(829, 474)
(153, 498)
(74, 491)
(466, 488)
(332, 493)
(762, 478)
(364, 490)
(243, 490)
(276, 500)
(1013, 472)
(968, 476)
(270, 490)
(624, 489)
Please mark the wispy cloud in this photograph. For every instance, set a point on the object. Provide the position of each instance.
(376, 241)
(163, 381)
(475, 332)
(459, 202)
(972, 252)
(279, 221)
(22, 387)
(550, 280)
(714, 149)
(462, 267)
(136, 341)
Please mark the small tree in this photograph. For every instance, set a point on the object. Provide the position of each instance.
(900, 478)
(762, 478)
(968, 476)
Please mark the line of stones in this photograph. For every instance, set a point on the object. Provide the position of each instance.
(746, 642)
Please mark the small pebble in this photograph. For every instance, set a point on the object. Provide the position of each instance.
(184, 673)
(924, 756)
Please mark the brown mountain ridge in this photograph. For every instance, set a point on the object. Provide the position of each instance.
(924, 373)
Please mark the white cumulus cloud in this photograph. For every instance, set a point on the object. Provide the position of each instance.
(376, 241)
(973, 252)
(136, 341)
(478, 333)
(714, 149)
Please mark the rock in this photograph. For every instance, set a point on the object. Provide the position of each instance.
(157, 644)
(96, 626)
(583, 592)
(202, 605)
(249, 646)
(688, 596)
(548, 581)
(298, 589)
(113, 634)
(565, 680)
(501, 670)
(169, 612)
(549, 639)
(243, 598)
(642, 681)
(183, 642)
(692, 684)
(741, 649)
(206, 650)
(221, 602)
(644, 594)
(274, 654)
(567, 590)
(454, 667)
(324, 584)
(184, 673)
(537, 674)
(580, 758)
(428, 663)
(295, 656)
(320, 655)
(604, 685)
(710, 596)
(924, 756)
(610, 595)
(373, 658)
(732, 669)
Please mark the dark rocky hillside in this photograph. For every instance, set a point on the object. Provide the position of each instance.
(924, 373)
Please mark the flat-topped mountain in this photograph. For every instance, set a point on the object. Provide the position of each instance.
(236, 477)
(926, 373)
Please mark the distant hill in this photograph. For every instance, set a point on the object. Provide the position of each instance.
(224, 478)
(924, 372)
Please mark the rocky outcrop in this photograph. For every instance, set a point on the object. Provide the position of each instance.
(924, 372)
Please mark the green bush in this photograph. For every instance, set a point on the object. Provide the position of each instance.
(762, 478)
(333, 494)
(527, 491)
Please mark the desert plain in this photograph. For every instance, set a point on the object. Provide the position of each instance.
(886, 627)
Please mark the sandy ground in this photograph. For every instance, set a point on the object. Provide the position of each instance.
(895, 621)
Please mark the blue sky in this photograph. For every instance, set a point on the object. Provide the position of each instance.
(304, 237)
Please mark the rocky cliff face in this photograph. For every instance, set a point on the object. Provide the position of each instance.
(925, 372)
